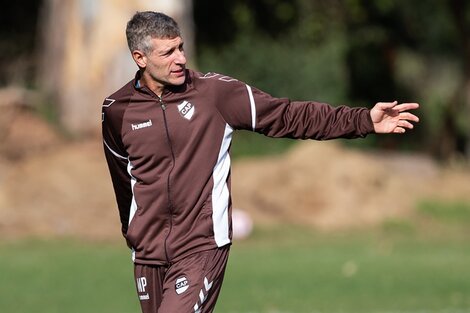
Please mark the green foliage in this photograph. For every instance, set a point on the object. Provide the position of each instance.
(283, 68)
(284, 64)
(353, 52)
(18, 29)
(48, 111)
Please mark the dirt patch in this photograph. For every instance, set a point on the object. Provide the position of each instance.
(330, 187)
(49, 187)
(65, 190)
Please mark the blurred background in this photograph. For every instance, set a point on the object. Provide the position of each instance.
(380, 224)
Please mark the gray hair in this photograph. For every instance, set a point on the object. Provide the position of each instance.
(147, 25)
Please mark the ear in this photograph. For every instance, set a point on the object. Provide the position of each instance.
(139, 58)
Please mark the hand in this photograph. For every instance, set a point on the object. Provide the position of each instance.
(391, 117)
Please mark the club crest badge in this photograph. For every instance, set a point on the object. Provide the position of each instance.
(186, 109)
(181, 285)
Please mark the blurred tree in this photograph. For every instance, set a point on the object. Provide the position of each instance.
(84, 54)
(375, 34)
(266, 43)
(17, 41)
(363, 51)
(455, 134)
(379, 30)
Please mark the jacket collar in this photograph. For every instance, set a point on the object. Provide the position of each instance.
(168, 89)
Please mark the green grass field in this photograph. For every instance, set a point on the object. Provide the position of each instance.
(349, 273)
(403, 266)
(394, 269)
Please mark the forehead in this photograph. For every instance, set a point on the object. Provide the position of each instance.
(160, 44)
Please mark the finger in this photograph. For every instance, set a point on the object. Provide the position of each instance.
(399, 130)
(386, 105)
(405, 124)
(406, 106)
(408, 116)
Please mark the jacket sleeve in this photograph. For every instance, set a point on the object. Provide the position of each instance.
(250, 108)
(117, 161)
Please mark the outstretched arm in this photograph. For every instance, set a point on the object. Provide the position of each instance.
(391, 117)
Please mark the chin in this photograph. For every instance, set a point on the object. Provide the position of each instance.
(180, 81)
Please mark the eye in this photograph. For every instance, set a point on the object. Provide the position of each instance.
(167, 53)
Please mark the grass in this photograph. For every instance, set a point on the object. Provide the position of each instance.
(65, 276)
(350, 273)
(453, 212)
(302, 272)
(400, 267)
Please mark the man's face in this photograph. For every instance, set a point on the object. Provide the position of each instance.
(165, 65)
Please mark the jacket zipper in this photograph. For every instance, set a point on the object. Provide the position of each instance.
(170, 204)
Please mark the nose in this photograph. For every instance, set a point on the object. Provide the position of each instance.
(180, 57)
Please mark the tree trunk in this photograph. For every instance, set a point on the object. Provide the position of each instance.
(84, 56)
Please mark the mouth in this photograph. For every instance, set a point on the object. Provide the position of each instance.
(178, 72)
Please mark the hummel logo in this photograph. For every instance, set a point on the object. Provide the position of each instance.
(186, 109)
(142, 125)
(203, 295)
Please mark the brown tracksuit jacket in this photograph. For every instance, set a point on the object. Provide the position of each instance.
(169, 157)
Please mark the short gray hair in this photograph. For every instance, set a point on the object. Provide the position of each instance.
(147, 25)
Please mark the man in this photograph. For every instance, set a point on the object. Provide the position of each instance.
(167, 136)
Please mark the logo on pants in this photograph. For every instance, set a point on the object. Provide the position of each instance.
(181, 285)
(141, 285)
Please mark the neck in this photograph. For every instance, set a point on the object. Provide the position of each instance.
(151, 84)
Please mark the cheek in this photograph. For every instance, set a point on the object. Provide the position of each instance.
(155, 69)
(155, 63)
(161, 67)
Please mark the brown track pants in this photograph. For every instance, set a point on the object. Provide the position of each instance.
(189, 285)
